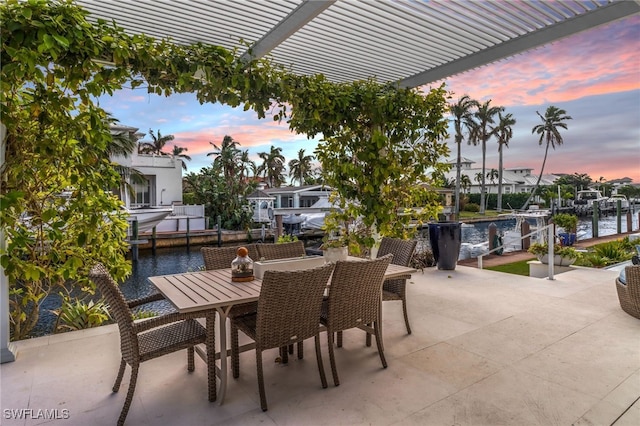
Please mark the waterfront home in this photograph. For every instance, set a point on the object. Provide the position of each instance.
(162, 173)
(514, 180)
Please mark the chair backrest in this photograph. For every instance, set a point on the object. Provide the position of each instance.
(632, 275)
(118, 309)
(402, 250)
(221, 257)
(355, 291)
(281, 251)
(289, 306)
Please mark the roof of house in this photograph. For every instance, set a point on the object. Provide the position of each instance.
(297, 189)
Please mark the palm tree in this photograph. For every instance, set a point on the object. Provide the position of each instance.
(553, 120)
(462, 118)
(178, 153)
(481, 132)
(465, 182)
(246, 164)
(300, 168)
(273, 166)
(123, 145)
(479, 177)
(492, 175)
(504, 133)
(157, 145)
(226, 156)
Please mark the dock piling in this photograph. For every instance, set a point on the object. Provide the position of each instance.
(134, 235)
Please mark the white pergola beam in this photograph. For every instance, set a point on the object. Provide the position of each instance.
(297, 19)
(600, 16)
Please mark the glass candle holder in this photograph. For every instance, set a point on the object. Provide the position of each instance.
(242, 266)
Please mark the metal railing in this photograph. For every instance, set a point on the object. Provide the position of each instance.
(194, 210)
(550, 239)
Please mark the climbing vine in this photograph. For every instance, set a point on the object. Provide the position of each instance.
(379, 141)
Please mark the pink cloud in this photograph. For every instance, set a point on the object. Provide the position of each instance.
(572, 68)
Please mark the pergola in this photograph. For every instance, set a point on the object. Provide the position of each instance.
(406, 41)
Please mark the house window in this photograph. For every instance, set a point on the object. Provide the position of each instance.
(145, 192)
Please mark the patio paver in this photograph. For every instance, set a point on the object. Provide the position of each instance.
(487, 348)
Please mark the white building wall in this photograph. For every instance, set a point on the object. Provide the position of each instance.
(167, 171)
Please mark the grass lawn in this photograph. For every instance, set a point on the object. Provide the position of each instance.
(473, 215)
(518, 268)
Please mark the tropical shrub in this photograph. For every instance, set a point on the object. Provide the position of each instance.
(543, 248)
(286, 238)
(608, 253)
(78, 315)
(472, 207)
(567, 221)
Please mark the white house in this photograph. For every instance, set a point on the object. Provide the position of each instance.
(163, 174)
(298, 196)
(514, 180)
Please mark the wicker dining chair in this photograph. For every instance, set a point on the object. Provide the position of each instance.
(354, 301)
(288, 312)
(629, 293)
(281, 250)
(396, 288)
(141, 341)
(221, 257)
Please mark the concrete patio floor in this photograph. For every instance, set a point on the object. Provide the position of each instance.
(487, 349)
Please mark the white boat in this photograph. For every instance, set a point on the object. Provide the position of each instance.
(588, 196)
(536, 218)
(147, 217)
(613, 201)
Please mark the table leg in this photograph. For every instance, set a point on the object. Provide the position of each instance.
(224, 370)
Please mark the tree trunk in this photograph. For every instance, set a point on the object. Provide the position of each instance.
(535, 188)
(457, 205)
(482, 185)
(499, 205)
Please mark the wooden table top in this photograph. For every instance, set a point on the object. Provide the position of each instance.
(194, 291)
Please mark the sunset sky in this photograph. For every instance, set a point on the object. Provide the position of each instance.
(594, 76)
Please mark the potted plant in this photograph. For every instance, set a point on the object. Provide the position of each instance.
(569, 224)
(563, 255)
(335, 247)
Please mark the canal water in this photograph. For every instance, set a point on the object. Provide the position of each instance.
(179, 260)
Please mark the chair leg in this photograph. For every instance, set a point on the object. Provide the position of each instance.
(284, 355)
(300, 350)
(116, 385)
(339, 343)
(263, 397)
(235, 352)
(191, 365)
(406, 316)
(129, 399)
(332, 359)
(323, 377)
(378, 332)
(368, 338)
(210, 321)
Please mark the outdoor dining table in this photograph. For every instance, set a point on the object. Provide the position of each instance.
(206, 290)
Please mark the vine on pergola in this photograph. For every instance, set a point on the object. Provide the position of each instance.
(379, 140)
